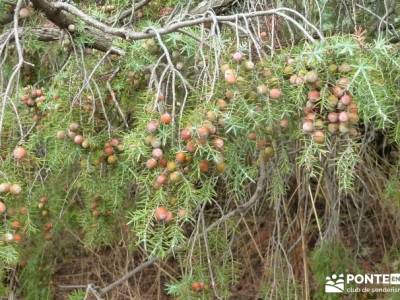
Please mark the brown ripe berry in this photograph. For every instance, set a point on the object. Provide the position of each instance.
(169, 217)
(230, 77)
(229, 95)
(218, 144)
(3, 208)
(284, 123)
(275, 93)
(191, 147)
(210, 127)
(30, 102)
(343, 117)
(157, 153)
(344, 83)
(152, 126)
(353, 118)
(78, 139)
(221, 104)
(308, 126)
(60, 135)
(19, 153)
(4, 187)
(252, 136)
(114, 142)
(319, 137)
(108, 150)
(185, 134)
(43, 199)
(40, 100)
(24, 13)
(293, 79)
(17, 238)
(16, 225)
(166, 118)
(96, 213)
(161, 179)
(346, 99)
(47, 226)
(180, 157)
(15, 189)
(203, 132)
(25, 98)
(333, 117)
(263, 35)
(314, 96)
(162, 162)
(237, 56)
(38, 93)
(337, 91)
(112, 159)
(151, 163)
(198, 286)
(73, 126)
(352, 108)
(161, 214)
(204, 166)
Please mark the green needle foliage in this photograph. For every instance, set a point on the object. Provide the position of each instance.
(92, 194)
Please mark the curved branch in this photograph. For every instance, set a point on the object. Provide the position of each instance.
(128, 34)
(99, 42)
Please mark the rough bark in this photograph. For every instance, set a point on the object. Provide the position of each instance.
(100, 41)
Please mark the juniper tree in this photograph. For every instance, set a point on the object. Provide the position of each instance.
(207, 140)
